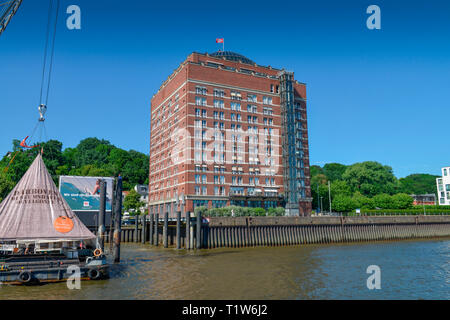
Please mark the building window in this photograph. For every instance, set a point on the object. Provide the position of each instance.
(267, 100)
(199, 101)
(252, 98)
(219, 93)
(252, 108)
(219, 104)
(200, 90)
(236, 95)
(235, 106)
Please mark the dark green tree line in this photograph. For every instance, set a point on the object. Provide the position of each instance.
(365, 185)
(92, 157)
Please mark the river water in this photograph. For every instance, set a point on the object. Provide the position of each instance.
(409, 270)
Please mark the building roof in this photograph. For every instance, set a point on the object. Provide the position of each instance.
(232, 56)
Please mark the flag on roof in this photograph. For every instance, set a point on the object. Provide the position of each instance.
(36, 210)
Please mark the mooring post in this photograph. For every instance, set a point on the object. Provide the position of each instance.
(101, 216)
(156, 229)
(188, 230)
(199, 230)
(144, 229)
(136, 227)
(117, 219)
(150, 231)
(178, 229)
(165, 230)
(191, 231)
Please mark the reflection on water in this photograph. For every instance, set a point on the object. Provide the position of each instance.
(409, 270)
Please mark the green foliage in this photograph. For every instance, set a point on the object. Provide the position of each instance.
(92, 157)
(366, 185)
(6, 185)
(383, 201)
(418, 184)
(315, 170)
(370, 178)
(239, 211)
(133, 202)
(342, 203)
(334, 171)
(340, 188)
(402, 201)
(363, 202)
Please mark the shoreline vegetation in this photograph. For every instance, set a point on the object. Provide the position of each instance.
(91, 157)
(368, 186)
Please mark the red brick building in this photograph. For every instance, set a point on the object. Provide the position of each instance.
(226, 131)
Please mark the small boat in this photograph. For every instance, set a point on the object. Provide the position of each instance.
(41, 239)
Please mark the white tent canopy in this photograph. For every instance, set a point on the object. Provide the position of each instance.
(36, 210)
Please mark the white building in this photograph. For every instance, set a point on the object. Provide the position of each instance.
(443, 187)
(142, 189)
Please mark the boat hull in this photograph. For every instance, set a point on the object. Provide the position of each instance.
(34, 271)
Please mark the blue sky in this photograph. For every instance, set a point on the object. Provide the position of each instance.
(378, 95)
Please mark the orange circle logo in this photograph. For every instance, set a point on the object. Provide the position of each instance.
(63, 224)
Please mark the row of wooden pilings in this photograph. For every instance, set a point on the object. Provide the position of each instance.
(279, 231)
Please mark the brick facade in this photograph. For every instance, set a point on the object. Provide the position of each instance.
(201, 145)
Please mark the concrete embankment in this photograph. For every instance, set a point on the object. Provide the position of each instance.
(282, 231)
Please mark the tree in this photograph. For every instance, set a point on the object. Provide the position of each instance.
(343, 204)
(371, 178)
(6, 185)
(92, 151)
(418, 183)
(363, 201)
(383, 201)
(133, 202)
(334, 171)
(315, 170)
(402, 201)
(92, 157)
(340, 188)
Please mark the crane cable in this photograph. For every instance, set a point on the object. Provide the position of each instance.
(44, 82)
(52, 49)
(42, 129)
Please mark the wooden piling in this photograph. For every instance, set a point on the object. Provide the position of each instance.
(178, 242)
(165, 227)
(150, 229)
(156, 229)
(117, 219)
(144, 229)
(136, 228)
(188, 230)
(198, 229)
